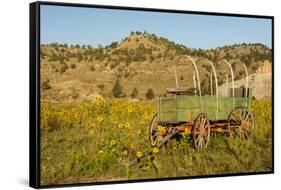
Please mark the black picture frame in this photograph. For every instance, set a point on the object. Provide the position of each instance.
(34, 90)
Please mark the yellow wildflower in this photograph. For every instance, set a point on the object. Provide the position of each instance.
(186, 130)
(127, 125)
(133, 146)
(91, 131)
(120, 125)
(113, 150)
(155, 150)
(163, 129)
(112, 142)
(130, 109)
(98, 99)
(139, 154)
(100, 119)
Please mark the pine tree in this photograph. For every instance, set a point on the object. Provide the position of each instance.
(117, 89)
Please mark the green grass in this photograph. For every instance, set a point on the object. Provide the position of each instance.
(99, 141)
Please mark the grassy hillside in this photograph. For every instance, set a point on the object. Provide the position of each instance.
(140, 61)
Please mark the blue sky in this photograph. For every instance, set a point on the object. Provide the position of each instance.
(78, 25)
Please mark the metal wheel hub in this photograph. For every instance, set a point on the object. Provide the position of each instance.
(202, 132)
(244, 125)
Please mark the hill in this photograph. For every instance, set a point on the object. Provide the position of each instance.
(139, 62)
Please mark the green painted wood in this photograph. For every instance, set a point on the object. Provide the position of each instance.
(182, 108)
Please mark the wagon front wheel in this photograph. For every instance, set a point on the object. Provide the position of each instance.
(241, 123)
(201, 131)
(153, 131)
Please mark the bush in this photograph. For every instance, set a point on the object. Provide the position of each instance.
(80, 57)
(149, 94)
(135, 93)
(92, 68)
(117, 89)
(63, 68)
(127, 74)
(182, 77)
(100, 86)
(113, 45)
(73, 66)
(46, 85)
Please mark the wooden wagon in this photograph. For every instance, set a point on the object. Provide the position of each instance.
(185, 110)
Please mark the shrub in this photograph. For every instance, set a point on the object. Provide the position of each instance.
(117, 89)
(149, 94)
(181, 77)
(100, 86)
(113, 65)
(127, 74)
(113, 44)
(92, 68)
(134, 93)
(63, 68)
(73, 66)
(46, 85)
(80, 57)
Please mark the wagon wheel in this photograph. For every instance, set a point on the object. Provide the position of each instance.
(201, 131)
(241, 123)
(153, 137)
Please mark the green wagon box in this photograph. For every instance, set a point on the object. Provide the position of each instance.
(182, 108)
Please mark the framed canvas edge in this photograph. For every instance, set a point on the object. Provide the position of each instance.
(34, 92)
(34, 95)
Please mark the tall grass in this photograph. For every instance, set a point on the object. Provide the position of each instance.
(107, 140)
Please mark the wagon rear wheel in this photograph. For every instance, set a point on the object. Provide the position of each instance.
(153, 131)
(241, 123)
(201, 131)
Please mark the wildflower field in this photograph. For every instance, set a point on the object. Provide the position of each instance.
(107, 140)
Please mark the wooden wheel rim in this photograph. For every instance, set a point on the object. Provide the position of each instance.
(153, 128)
(201, 132)
(241, 123)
